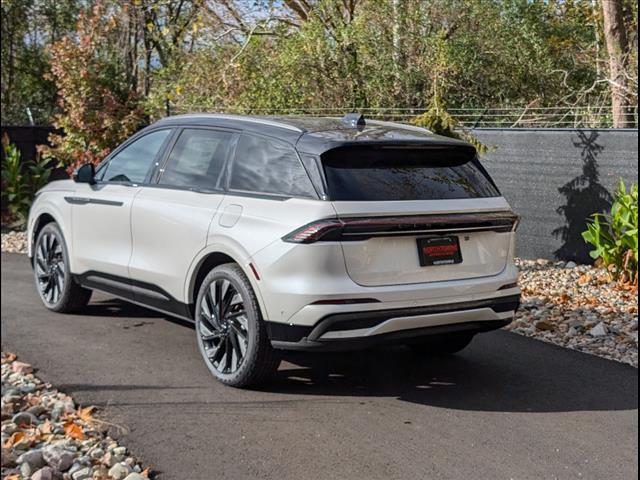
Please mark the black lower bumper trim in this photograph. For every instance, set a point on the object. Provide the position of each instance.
(401, 336)
(281, 333)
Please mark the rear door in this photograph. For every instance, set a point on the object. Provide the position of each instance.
(415, 215)
(171, 218)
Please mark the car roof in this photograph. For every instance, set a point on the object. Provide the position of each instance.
(316, 135)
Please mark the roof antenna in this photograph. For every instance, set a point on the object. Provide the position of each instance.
(354, 120)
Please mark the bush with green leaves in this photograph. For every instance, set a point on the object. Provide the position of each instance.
(615, 236)
(20, 182)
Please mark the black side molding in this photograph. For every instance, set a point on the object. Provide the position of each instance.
(145, 294)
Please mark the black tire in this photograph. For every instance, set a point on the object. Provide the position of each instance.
(442, 345)
(58, 290)
(233, 340)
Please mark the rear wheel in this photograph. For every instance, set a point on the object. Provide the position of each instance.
(441, 345)
(57, 289)
(231, 334)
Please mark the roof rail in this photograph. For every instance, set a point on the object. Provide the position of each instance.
(242, 118)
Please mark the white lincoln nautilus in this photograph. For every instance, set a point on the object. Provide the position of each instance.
(285, 233)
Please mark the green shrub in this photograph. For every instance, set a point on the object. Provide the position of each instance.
(20, 182)
(615, 236)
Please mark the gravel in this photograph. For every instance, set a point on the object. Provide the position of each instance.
(571, 305)
(72, 446)
(577, 307)
(14, 242)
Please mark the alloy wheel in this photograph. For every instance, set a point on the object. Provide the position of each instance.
(223, 326)
(50, 268)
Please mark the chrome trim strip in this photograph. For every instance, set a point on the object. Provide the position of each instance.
(95, 201)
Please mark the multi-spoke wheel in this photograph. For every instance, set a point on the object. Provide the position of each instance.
(57, 289)
(230, 331)
(50, 268)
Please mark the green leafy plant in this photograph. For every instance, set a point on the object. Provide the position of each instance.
(615, 236)
(20, 182)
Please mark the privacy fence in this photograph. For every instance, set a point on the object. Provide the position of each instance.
(554, 178)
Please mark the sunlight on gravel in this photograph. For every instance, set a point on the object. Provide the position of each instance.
(45, 436)
(14, 242)
(576, 307)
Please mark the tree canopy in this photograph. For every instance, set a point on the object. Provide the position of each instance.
(308, 55)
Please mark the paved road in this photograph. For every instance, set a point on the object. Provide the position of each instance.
(508, 407)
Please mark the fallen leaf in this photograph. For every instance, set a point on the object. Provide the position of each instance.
(13, 439)
(146, 472)
(584, 280)
(8, 357)
(86, 413)
(74, 431)
(45, 428)
(13, 476)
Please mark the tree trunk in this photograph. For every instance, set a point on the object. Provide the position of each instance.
(618, 47)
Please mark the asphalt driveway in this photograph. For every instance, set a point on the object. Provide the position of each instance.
(508, 407)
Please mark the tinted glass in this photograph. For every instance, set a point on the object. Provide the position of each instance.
(269, 166)
(133, 163)
(357, 174)
(197, 159)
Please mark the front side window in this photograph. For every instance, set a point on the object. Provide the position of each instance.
(269, 166)
(132, 164)
(197, 159)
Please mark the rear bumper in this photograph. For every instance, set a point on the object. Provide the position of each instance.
(356, 330)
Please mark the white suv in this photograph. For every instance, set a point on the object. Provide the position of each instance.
(285, 233)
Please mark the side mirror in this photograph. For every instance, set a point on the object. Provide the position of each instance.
(85, 174)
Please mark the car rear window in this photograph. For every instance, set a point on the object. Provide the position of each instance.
(387, 174)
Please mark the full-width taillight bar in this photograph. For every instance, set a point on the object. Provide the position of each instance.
(353, 229)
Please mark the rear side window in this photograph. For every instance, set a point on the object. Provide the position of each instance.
(132, 164)
(269, 166)
(387, 174)
(197, 159)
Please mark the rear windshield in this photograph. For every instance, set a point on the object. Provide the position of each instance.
(386, 174)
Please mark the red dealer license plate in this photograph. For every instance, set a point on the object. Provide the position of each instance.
(439, 251)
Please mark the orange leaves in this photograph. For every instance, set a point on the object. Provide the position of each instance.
(8, 357)
(73, 430)
(86, 414)
(21, 439)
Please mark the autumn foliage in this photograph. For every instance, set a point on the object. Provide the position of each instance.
(98, 107)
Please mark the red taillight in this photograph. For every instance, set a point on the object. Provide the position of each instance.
(312, 232)
(355, 229)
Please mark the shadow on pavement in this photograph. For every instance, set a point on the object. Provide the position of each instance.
(499, 372)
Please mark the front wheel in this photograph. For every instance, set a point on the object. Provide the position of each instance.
(231, 335)
(58, 290)
(441, 345)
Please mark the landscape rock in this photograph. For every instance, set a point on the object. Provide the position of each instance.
(599, 330)
(576, 306)
(58, 458)
(37, 441)
(119, 471)
(45, 473)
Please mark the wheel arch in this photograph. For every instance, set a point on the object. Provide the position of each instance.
(209, 260)
(42, 218)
